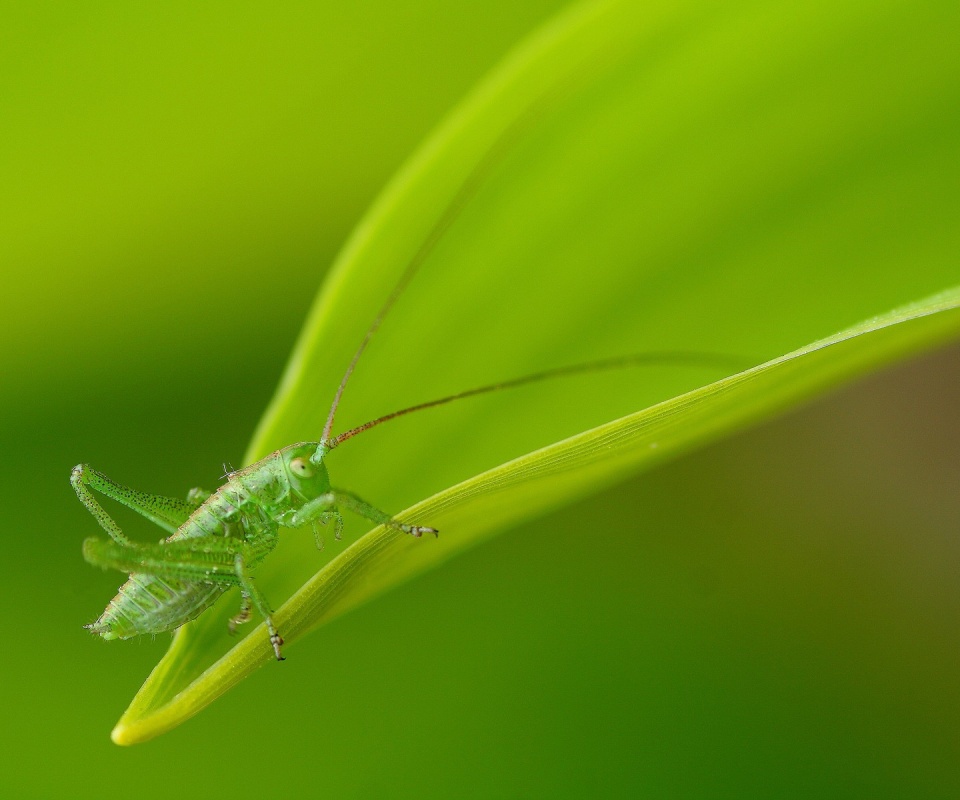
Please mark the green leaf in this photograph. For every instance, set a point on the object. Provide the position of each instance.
(678, 176)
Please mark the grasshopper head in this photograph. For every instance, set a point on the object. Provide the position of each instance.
(308, 476)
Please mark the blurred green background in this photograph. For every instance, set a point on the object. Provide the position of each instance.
(774, 616)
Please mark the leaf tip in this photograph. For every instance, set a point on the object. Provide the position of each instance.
(121, 735)
(130, 732)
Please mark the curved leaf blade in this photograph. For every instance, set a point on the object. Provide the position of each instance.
(682, 100)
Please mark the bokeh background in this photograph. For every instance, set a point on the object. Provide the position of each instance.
(776, 615)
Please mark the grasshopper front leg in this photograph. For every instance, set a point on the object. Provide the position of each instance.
(338, 498)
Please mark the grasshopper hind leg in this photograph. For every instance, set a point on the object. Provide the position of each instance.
(167, 512)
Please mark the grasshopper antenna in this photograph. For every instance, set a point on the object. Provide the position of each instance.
(619, 362)
(468, 188)
(466, 191)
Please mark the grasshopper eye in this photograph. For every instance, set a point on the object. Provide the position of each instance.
(301, 468)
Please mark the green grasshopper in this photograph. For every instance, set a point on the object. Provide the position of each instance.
(217, 539)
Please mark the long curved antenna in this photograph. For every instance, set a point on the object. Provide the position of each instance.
(466, 191)
(446, 219)
(619, 362)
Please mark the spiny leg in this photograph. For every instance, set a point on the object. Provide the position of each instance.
(167, 512)
(205, 560)
(340, 498)
(374, 514)
(249, 588)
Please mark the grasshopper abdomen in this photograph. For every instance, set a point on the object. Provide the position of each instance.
(148, 604)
